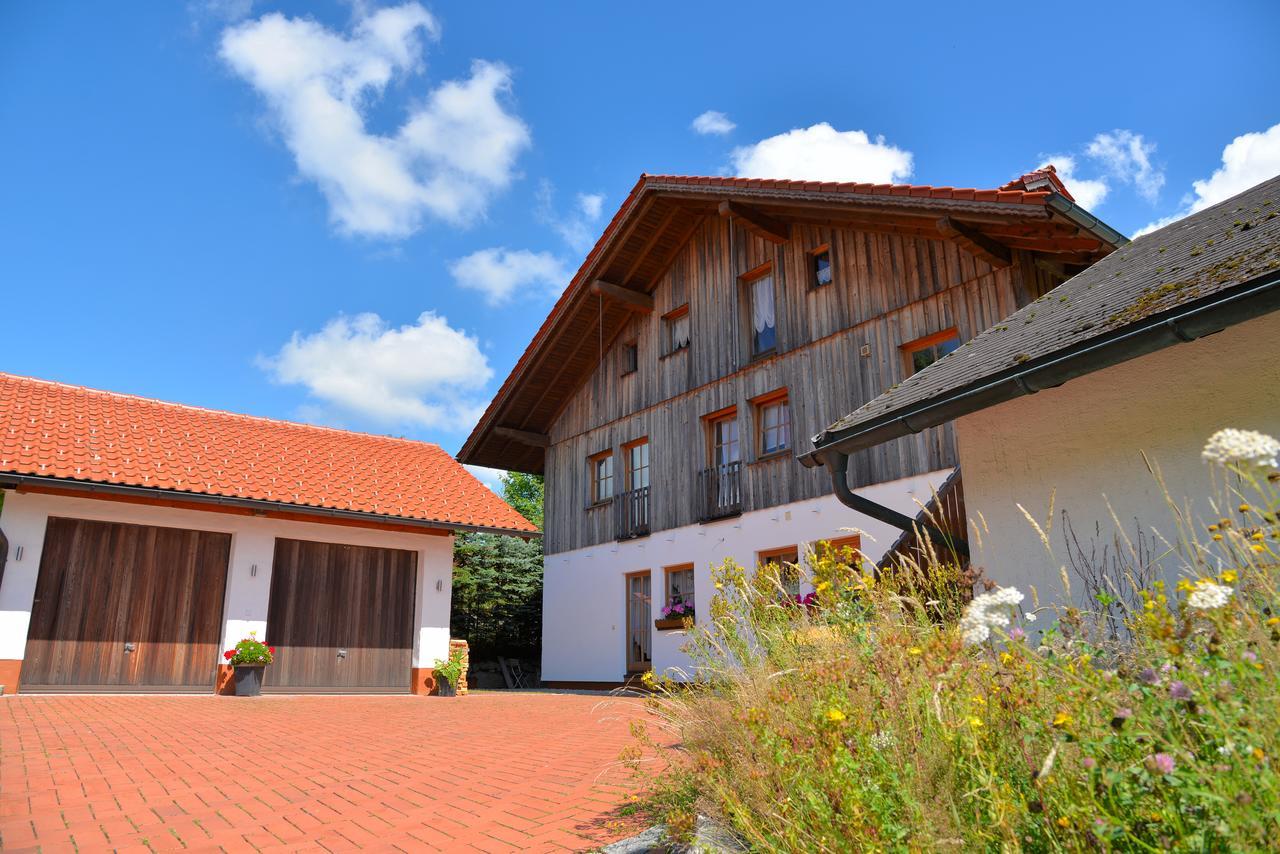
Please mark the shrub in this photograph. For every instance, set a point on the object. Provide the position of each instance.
(250, 651)
(882, 717)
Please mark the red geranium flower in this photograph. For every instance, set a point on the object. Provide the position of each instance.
(229, 654)
(273, 649)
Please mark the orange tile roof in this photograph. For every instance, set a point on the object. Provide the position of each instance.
(54, 430)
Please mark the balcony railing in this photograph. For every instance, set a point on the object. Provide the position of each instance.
(720, 491)
(631, 513)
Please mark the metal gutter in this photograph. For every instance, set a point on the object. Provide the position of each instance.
(16, 481)
(1257, 297)
(1081, 217)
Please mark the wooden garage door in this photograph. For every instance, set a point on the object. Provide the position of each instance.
(340, 618)
(126, 606)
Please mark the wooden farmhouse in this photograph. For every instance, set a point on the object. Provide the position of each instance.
(717, 324)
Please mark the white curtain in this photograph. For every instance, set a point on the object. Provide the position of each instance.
(762, 303)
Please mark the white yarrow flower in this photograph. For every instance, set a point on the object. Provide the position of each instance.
(986, 611)
(1242, 447)
(1208, 596)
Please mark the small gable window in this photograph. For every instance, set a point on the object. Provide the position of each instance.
(676, 330)
(764, 331)
(820, 265)
(923, 352)
(630, 357)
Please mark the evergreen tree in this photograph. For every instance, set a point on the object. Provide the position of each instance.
(497, 582)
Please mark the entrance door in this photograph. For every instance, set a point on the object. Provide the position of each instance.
(340, 618)
(126, 606)
(639, 622)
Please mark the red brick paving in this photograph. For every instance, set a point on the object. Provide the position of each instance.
(486, 772)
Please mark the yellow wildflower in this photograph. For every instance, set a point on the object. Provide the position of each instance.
(1006, 657)
(1217, 537)
(1259, 754)
(1061, 719)
(835, 715)
(1244, 508)
(975, 721)
(1228, 576)
(915, 650)
(1064, 822)
(1274, 621)
(822, 585)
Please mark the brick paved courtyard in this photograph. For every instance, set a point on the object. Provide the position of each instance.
(488, 772)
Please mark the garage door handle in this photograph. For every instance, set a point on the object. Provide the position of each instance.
(342, 653)
(130, 647)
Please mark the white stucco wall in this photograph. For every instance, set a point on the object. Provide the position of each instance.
(24, 516)
(584, 593)
(1086, 439)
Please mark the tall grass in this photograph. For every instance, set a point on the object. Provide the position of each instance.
(894, 712)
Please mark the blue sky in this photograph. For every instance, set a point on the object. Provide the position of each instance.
(358, 214)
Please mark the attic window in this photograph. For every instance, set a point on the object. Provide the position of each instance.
(820, 264)
(923, 352)
(630, 357)
(676, 330)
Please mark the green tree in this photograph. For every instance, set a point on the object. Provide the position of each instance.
(497, 582)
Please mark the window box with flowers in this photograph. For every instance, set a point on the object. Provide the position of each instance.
(249, 657)
(679, 608)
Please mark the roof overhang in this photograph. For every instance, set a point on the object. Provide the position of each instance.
(662, 213)
(1187, 322)
(253, 506)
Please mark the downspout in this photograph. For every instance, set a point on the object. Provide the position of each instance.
(838, 466)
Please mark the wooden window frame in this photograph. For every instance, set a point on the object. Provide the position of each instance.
(910, 348)
(626, 462)
(839, 544)
(593, 482)
(709, 422)
(746, 281)
(759, 404)
(667, 572)
(630, 346)
(780, 555)
(812, 258)
(673, 315)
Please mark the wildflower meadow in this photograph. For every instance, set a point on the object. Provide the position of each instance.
(897, 710)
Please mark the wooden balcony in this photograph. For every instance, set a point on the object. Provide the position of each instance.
(719, 493)
(631, 514)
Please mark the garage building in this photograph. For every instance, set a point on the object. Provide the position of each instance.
(139, 539)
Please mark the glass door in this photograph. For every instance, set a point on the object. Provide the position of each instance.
(639, 621)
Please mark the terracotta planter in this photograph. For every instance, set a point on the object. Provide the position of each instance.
(666, 623)
(249, 679)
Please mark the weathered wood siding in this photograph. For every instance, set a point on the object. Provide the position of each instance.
(887, 290)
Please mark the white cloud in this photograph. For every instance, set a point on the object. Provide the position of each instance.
(1088, 192)
(456, 148)
(499, 272)
(822, 153)
(713, 122)
(1247, 160)
(578, 228)
(424, 374)
(1127, 157)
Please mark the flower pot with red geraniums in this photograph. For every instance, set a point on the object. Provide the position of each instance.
(674, 615)
(249, 658)
(448, 674)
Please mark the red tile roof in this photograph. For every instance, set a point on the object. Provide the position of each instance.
(54, 430)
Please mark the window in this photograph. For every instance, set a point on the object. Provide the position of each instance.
(764, 331)
(773, 423)
(845, 551)
(680, 600)
(638, 464)
(600, 468)
(724, 439)
(787, 561)
(676, 330)
(923, 352)
(820, 265)
(630, 357)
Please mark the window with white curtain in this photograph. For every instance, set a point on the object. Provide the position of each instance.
(764, 332)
